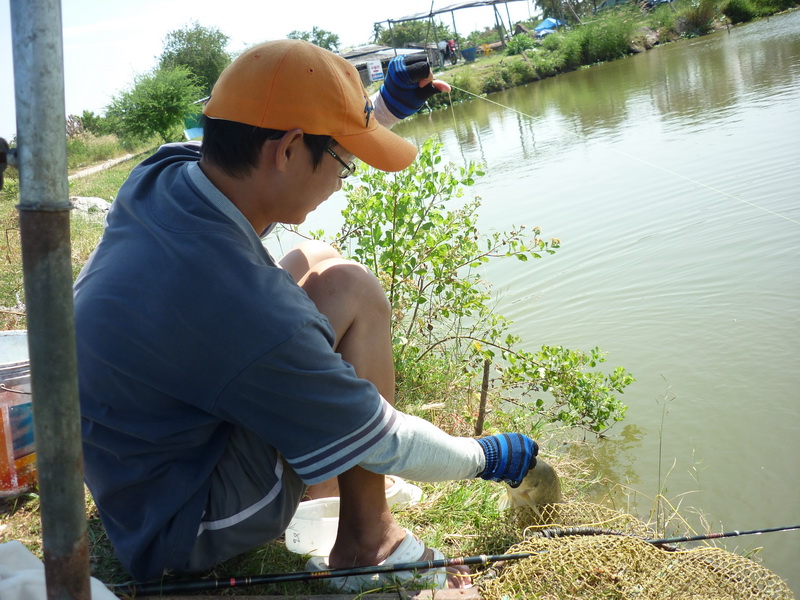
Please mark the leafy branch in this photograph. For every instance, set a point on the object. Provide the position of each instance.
(416, 232)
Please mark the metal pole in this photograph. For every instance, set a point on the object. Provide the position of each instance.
(47, 267)
(455, 33)
(394, 44)
(500, 27)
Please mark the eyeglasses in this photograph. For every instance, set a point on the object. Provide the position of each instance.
(348, 168)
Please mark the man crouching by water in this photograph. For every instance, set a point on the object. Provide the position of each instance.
(218, 386)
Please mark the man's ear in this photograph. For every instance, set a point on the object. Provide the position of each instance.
(286, 149)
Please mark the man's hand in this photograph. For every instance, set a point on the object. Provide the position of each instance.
(409, 83)
(509, 457)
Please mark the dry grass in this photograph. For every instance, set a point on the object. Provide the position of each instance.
(84, 235)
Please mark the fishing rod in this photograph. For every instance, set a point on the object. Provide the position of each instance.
(147, 589)
(195, 585)
(555, 532)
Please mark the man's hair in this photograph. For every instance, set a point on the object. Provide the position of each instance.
(234, 147)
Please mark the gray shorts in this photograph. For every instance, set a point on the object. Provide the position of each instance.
(254, 495)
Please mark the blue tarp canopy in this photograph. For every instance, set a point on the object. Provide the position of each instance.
(549, 23)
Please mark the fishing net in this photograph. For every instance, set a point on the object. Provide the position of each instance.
(603, 565)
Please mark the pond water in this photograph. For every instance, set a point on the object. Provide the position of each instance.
(672, 179)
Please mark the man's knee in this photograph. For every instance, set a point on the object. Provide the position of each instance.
(349, 275)
(342, 280)
(300, 260)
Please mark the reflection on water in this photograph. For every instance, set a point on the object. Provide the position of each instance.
(613, 462)
(695, 79)
(672, 179)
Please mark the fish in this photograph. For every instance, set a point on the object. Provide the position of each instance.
(540, 486)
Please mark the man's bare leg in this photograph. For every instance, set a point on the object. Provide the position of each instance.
(363, 340)
(351, 297)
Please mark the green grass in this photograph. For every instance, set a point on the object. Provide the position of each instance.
(11, 292)
(104, 184)
(740, 11)
(84, 149)
(84, 236)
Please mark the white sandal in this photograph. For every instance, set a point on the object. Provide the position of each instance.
(411, 549)
(401, 493)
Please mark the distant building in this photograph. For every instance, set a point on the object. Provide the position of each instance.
(362, 56)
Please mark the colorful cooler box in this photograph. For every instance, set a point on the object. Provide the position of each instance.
(17, 450)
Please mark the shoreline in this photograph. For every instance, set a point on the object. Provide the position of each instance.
(489, 74)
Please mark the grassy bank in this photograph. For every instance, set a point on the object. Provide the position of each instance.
(85, 234)
(608, 35)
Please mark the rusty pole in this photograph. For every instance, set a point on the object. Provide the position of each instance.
(47, 266)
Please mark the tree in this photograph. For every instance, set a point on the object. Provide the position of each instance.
(199, 49)
(403, 34)
(158, 103)
(96, 124)
(318, 37)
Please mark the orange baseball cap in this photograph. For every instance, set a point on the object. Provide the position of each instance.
(285, 84)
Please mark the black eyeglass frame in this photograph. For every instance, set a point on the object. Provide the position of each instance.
(348, 168)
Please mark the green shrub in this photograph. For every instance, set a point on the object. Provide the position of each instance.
(518, 43)
(496, 80)
(548, 64)
(739, 11)
(606, 38)
(415, 232)
(697, 19)
(489, 35)
(553, 42)
(99, 125)
(770, 7)
(661, 18)
(465, 84)
(567, 49)
(571, 52)
(468, 80)
(521, 71)
(157, 104)
(11, 290)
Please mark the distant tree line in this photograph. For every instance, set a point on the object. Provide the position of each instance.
(160, 101)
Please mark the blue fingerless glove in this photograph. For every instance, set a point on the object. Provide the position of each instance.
(400, 90)
(509, 457)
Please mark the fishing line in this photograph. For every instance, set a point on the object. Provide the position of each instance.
(637, 158)
(453, 112)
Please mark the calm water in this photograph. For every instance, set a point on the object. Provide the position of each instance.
(673, 181)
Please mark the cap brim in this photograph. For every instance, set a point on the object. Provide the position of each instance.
(380, 148)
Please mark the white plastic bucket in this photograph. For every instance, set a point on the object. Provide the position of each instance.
(13, 346)
(313, 528)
